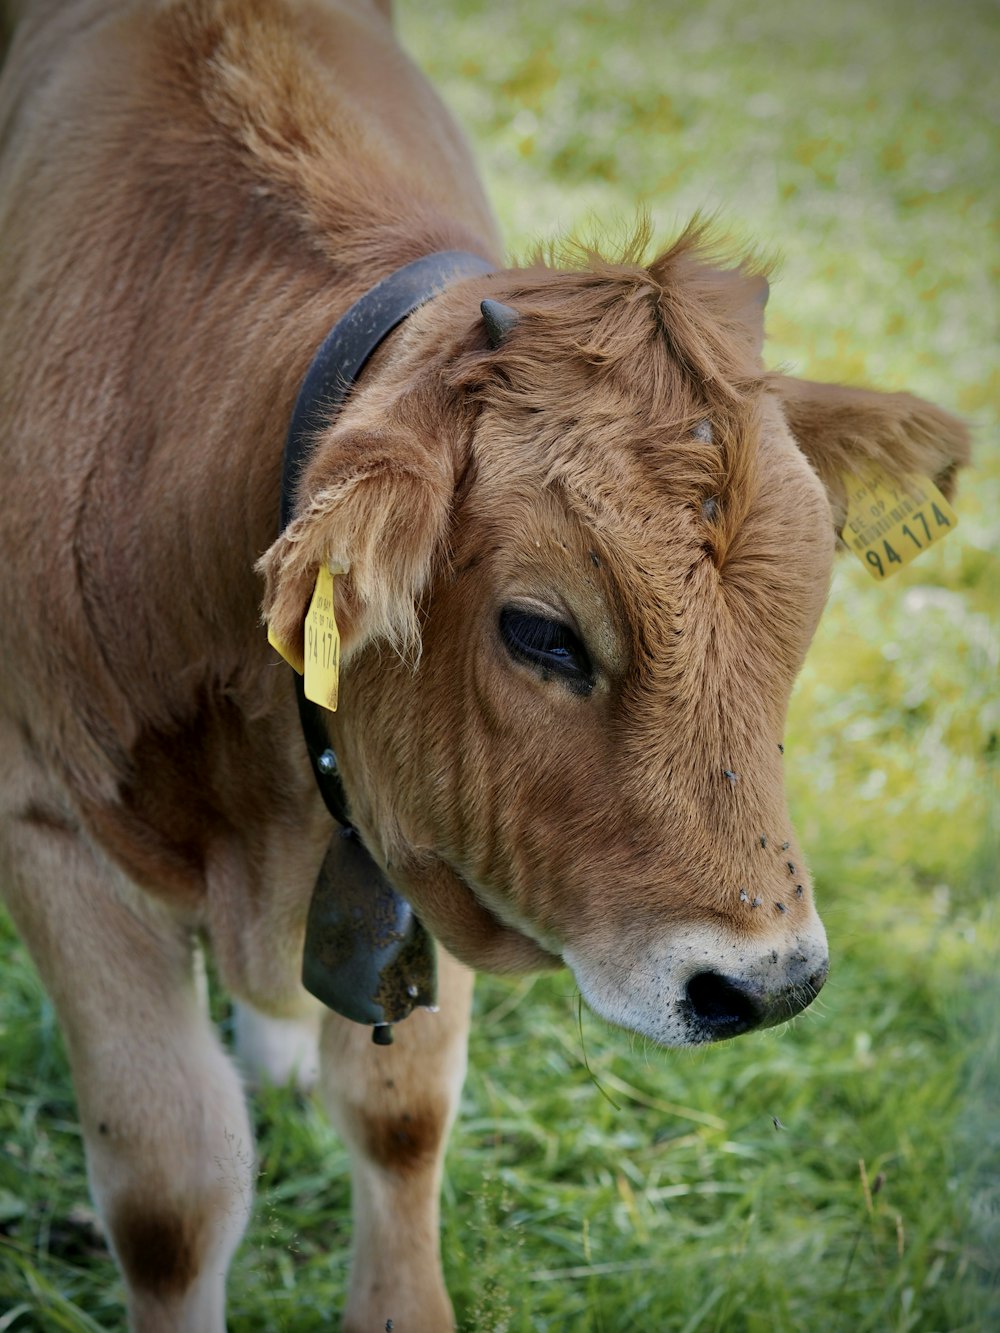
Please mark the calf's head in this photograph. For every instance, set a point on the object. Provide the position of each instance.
(585, 557)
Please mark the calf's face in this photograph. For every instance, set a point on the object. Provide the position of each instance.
(584, 763)
(591, 740)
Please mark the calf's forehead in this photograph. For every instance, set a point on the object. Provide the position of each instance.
(669, 528)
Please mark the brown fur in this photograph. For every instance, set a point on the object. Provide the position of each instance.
(191, 193)
(155, 1250)
(402, 1142)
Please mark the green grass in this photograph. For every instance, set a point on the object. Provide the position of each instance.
(726, 1189)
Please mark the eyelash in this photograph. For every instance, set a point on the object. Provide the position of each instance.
(547, 644)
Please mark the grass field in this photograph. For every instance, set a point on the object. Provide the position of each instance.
(842, 1173)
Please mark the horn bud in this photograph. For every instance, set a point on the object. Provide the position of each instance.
(499, 320)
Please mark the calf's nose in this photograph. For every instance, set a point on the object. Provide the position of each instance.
(723, 1005)
(726, 1006)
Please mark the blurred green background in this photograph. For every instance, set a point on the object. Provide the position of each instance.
(842, 1173)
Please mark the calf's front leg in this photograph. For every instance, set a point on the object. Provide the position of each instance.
(393, 1106)
(169, 1148)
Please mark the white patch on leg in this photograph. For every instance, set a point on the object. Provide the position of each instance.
(277, 1051)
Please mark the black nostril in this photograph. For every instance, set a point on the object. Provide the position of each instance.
(723, 1005)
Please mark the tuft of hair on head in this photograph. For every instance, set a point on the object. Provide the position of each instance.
(711, 308)
(614, 308)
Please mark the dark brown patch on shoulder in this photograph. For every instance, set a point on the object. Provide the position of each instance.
(403, 1142)
(156, 1249)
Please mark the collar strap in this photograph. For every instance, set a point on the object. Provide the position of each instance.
(341, 358)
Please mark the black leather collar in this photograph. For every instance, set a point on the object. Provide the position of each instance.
(341, 358)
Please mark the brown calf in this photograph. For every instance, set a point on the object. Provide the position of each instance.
(583, 561)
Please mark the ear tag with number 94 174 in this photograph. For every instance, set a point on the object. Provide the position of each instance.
(321, 643)
(889, 523)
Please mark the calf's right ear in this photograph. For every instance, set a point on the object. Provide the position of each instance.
(373, 507)
(847, 432)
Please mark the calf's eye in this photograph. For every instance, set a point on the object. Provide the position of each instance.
(548, 644)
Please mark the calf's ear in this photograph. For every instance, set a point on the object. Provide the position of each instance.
(374, 508)
(846, 432)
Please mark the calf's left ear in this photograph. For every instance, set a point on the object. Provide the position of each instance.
(374, 508)
(847, 432)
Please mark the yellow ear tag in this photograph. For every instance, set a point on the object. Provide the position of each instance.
(890, 523)
(283, 649)
(322, 644)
